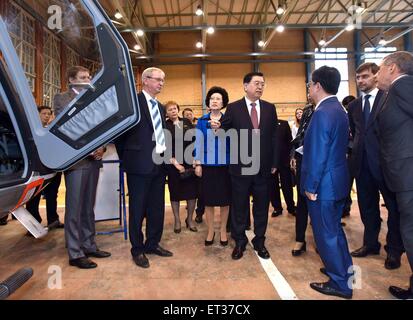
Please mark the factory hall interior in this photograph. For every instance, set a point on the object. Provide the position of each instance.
(197, 150)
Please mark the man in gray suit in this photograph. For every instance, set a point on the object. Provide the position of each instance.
(81, 184)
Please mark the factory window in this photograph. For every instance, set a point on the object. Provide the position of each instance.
(21, 29)
(51, 71)
(377, 54)
(337, 58)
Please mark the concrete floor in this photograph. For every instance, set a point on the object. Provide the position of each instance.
(194, 272)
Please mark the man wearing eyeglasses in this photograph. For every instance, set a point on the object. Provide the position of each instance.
(325, 181)
(256, 119)
(146, 179)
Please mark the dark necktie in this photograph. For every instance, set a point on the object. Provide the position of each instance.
(254, 116)
(366, 110)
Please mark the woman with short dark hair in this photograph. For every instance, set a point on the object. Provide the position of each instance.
(213, 170)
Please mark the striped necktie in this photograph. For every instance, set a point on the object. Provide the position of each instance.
(157, 125)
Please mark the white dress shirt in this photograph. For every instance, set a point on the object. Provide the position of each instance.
(373, 94)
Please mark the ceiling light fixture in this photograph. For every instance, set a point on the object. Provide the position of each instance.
(261, 43)
(199, 11)
(137, 47)
(118, 15)
(199, 45)
(322, 42)
(210, 30)
(350, 27)
(382, 41)
(280, 28)
(140, 33)
(280, 10)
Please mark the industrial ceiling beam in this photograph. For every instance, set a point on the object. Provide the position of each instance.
(265, 26)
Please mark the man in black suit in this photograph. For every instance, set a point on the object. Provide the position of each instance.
(146, 179)
(255, 119)
(395, 129)
(284, 172)
(365, 167)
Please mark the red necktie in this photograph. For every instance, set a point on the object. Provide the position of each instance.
(254, 115)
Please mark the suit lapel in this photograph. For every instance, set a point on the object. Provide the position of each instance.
(377, 105)
(245, 114)
(262, 115)
(382, 103)
(358, 111)
(144, 106)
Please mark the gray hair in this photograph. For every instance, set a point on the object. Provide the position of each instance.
(148, 72)
(402, 59)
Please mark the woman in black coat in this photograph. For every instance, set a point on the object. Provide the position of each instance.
(182, 182)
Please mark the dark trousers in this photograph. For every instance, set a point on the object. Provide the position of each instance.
(50, 193)
(405, 205)
(285, 176)
(146, 200)
(301, 216)
(242, 187)
(331, 241)
(368, 188)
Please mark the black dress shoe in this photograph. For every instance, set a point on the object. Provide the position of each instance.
(198, 218)
(160, 252)
(210, 242)
(277, 213)
(141, 260)
(364, 252)
(392, 262)
(263, 252)
(292, 211)
(83, 263)
(326, 288)
(177, 230)
(98, 254)
(298, 252)
(237, 253)
(3, 221)
(400, 293)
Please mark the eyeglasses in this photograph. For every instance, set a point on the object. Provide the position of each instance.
(259, 84)
(309, 84)
(157, 79)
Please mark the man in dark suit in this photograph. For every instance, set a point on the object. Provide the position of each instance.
(284, 175)
(365, 167)
(395, 130)
(81, 183)
(256, 120)
(325, 181)
(146, 179)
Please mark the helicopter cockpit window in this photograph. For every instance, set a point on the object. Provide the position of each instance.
(11, 157)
